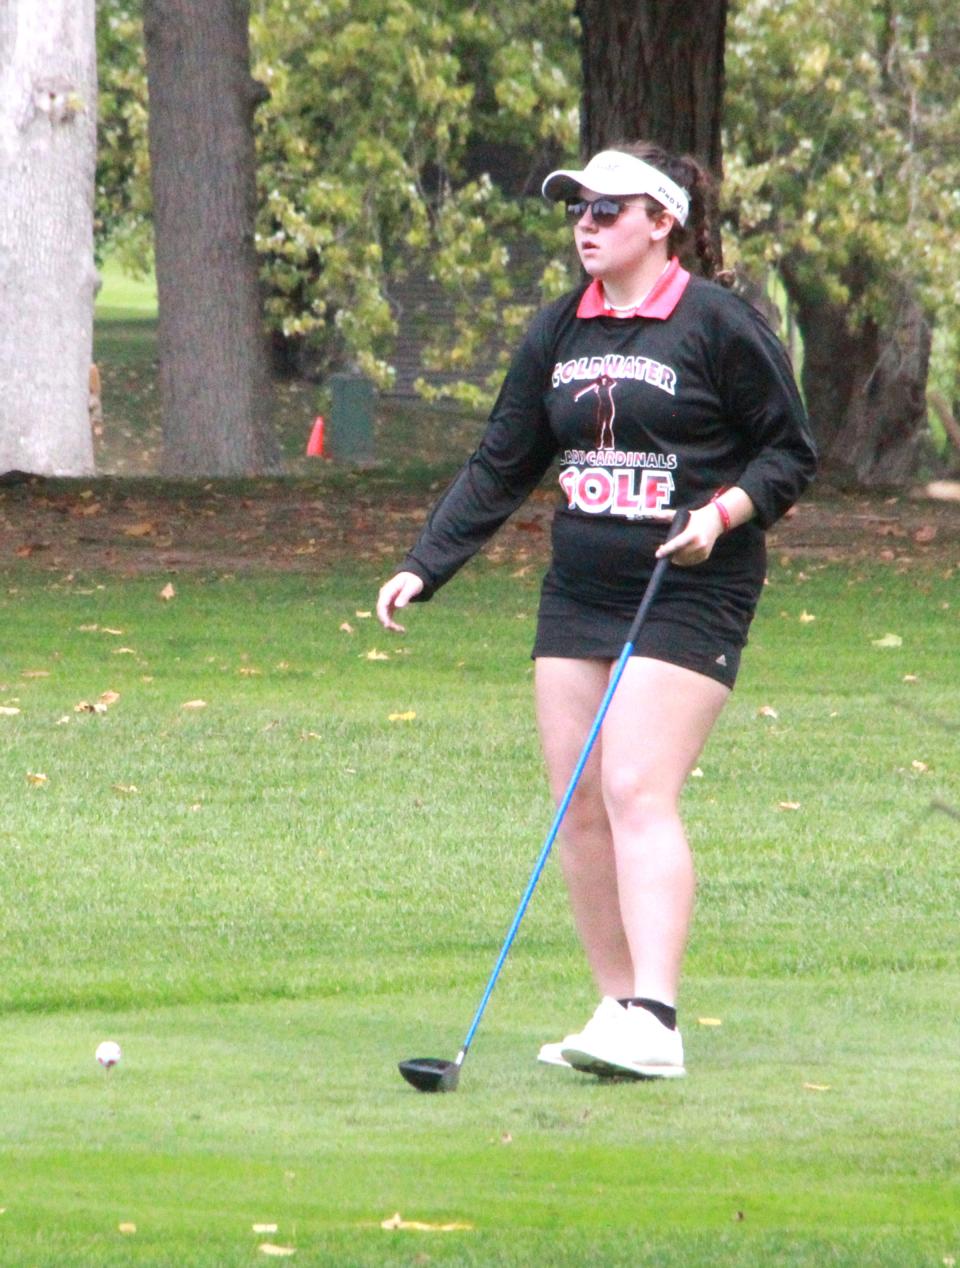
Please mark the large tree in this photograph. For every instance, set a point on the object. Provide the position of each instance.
(214, 375)
(48, 90)
(655, 71)
(842, 179)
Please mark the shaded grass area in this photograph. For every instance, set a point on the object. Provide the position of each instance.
(270, 899)
(408, 434)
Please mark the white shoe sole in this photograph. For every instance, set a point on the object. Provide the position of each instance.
(550, 1054)
(590, 1063)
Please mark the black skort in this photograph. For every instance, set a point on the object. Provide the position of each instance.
(697, 621)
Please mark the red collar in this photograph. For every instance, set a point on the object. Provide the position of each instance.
(660, 303)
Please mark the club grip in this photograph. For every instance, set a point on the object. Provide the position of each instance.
(677, 525)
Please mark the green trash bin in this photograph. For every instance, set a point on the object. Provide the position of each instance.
(350, 433)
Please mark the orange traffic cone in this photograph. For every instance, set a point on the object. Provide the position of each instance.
(315, 443)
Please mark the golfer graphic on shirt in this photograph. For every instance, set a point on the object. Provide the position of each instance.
(603, 386)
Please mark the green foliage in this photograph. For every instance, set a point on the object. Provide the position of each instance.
(843, 135)
(123, 203)
(363, 155)
(367, 164)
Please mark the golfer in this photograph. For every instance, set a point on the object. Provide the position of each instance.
(653, 390)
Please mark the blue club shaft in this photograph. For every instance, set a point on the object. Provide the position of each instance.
(679, 522)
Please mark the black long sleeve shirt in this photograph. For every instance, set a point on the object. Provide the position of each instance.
(644, 414)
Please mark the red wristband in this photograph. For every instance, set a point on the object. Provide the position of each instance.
(722, 512)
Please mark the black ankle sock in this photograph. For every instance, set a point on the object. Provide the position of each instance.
(664, 1013)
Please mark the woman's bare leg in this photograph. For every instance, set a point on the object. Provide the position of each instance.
(568, 695)
(624, 853)
(656, 727)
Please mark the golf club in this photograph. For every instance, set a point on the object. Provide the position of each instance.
(434, 1074)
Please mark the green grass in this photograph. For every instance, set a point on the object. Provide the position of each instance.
(124, 298)
(271, 899)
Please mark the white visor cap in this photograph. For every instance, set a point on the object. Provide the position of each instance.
(616, 174)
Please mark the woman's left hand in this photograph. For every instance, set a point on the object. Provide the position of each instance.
(695, 543)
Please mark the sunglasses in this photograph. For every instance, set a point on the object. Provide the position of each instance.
(603, 211)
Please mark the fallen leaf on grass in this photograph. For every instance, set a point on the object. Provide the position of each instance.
(397, 1222)
(806, 617)
(709, 1021)
(144, 529)
(86, 707)
(123, 651)
(194, 704)
(168, 591)
(817, 1087)
(346, 627)
(128, 789)
(926, 533)
(36, 778)
(788, 805)
(373, 654)
(363, 616)
(107, 630)
(921, 767)
(126, 1228)
(911, 678)
(264, 1228)
(888, 640)
(401, 717)
(109, 697)
(35, 673)
(268, 1248)
(8, 711)
(696, 773)
(767, 711)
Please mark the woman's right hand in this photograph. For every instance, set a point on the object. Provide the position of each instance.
(397, 593)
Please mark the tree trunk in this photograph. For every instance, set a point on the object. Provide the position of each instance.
(48, 115)
(653, 69)
(214, 377)
(865, 390)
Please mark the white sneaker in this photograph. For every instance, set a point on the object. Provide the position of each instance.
(626, 1041)
(552, 1053)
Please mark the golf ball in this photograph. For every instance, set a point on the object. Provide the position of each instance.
(108, 1053)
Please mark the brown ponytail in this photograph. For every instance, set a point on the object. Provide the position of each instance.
(697, 243)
